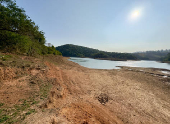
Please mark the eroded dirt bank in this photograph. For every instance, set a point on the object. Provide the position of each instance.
(79, 95)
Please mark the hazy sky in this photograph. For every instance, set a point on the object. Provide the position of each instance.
(109, 25)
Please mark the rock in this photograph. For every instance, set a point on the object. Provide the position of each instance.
(103, 98)
(32, 82)
(85, 122)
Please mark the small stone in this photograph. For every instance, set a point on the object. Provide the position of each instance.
(103, 98)
(33, 82)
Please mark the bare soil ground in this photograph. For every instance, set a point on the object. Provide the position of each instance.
(53, 90)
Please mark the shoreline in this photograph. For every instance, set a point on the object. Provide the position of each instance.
(165, 62)
(111, 59)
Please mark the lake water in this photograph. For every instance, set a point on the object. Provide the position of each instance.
(106, 64)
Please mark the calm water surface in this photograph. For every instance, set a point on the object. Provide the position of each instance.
(106, 64)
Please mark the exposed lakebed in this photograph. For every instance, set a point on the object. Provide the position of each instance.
(107, 64)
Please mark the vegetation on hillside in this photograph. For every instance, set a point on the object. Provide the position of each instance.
(167, 58)
(70, 50)
(19, 34)
(152, 55)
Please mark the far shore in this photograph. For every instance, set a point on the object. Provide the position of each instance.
(165, 62)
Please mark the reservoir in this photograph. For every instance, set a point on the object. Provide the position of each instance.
(107, 64)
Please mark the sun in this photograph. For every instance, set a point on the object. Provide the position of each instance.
(135, 14)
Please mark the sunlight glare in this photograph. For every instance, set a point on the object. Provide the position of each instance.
(135, 14)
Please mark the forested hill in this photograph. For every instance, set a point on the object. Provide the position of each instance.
(167, 58)
(158, 55)
(70, 50)
(19, 34)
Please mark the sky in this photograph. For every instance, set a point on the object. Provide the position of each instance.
(109, 25)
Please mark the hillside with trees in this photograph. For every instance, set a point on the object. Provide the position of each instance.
(167, 58)
(158, 55)
(70, 50)
(19, 34)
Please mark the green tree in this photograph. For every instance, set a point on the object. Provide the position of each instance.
(167, 57)
(100, 55)
(18, 33)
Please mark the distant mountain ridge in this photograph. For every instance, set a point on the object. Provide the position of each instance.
(70, 50)
(158, 55)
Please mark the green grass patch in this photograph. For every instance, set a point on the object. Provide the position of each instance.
(34, 102)
(23, 106)
(1, 110)
(10, 115)
(1, 104)
(30, 111)
(3, 118)
(43, 110)
(5, 57)
(44, 90)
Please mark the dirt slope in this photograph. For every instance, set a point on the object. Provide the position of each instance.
(79, 95)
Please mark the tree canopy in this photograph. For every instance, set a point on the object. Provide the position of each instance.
(158, 55)
(167, 58)
(18, 33)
